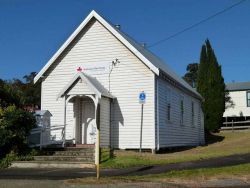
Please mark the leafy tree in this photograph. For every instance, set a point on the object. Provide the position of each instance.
(15, 122)
(32, 92)
(10, 95)
(210, 84)
(15, 126)
(19, 93)
(192, 72)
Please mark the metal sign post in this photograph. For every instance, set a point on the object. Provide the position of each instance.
(142, 100)
(98, 141)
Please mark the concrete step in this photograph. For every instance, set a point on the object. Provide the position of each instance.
(78, 149)
(81, 146)
(64, 158)
(51, 164)
(84, 145)
(74, 153)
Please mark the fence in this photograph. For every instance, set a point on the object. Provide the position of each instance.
(236, 125)
(42, 136)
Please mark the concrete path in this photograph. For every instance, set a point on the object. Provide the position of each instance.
(63, 174)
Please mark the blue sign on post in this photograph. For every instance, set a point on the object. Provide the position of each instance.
(142, 100)
(142, 97)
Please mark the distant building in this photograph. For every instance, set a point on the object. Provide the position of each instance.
(240, 95)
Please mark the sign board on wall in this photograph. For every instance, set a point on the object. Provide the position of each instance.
(94, 68)
(142, 97)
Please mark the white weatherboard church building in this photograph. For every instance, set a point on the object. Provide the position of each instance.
(96, 77)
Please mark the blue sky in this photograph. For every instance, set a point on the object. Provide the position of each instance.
(32, 31)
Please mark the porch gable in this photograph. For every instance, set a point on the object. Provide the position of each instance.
(81, 84)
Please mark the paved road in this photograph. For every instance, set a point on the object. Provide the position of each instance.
(63, 174)
(62, 184)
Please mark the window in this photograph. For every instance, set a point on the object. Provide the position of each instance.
(168, 112)
(182, 111)
(248, 98)
(192, 113)
(168, 103)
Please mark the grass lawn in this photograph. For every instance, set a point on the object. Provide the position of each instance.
(185, 176)
(221, 144)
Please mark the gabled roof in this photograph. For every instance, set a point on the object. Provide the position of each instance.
(238, 86)
(93, 83)
(108, 26)
(154, 63)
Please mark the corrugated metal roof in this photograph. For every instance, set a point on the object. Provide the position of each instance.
(238, 86)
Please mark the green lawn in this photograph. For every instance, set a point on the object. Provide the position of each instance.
(221, 144)
(204, 173)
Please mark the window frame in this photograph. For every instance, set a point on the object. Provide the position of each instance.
(192, 114)
(168, 106)
(182, 110)
(248, 99)
(169, 112)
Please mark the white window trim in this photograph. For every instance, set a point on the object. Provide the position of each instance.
(169, 102)
(182, 115)
(192, 113)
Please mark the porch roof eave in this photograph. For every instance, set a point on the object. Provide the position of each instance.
(93, 83)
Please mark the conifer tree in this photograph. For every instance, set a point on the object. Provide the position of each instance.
(210, 84)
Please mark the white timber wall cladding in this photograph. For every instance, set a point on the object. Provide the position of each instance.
(105, 122)
(240, 100)
(97, 45)
(172, 132)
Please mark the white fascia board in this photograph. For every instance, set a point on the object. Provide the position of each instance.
(111, 29)
(96, 91)
(64, 46)
(126, 43)
(62, 92)
(79, 75)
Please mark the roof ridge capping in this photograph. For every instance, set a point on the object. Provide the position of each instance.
(154, 63)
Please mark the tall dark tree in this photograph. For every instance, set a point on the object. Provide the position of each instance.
(192, 72)
(210, 84)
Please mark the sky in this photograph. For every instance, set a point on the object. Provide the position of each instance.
(32, 31)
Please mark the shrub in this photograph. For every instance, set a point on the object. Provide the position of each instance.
(15, 126)
(6, 161)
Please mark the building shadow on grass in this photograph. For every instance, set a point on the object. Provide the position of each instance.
(174, 149)
(212, 138)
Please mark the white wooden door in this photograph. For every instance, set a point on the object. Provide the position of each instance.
(88, 123)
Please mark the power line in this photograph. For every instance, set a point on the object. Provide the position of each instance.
(196, 24)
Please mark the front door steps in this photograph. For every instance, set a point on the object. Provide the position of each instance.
(79, 156)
